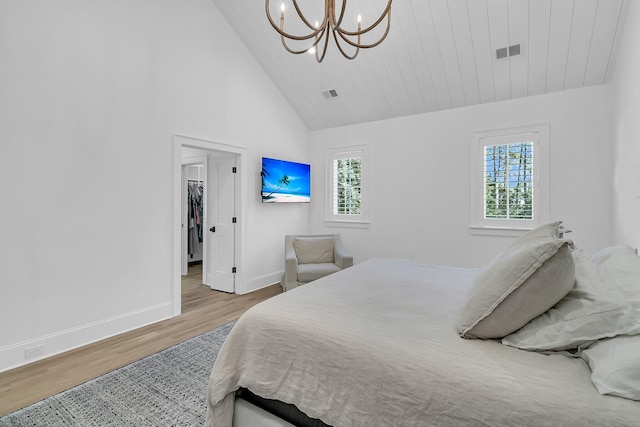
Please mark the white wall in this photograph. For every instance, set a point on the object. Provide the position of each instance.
(92, 92)
(420, 176)
(626, 133)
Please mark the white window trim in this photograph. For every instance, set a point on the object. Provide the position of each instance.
(339, 220)
(491, 227)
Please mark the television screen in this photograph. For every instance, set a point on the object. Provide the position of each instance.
(285, 182)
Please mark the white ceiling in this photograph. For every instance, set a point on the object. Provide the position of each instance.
(439, 54)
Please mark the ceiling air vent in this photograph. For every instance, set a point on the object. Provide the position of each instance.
(505, 52)
(330, 93)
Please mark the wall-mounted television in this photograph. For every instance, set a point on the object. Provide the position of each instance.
(285, 182)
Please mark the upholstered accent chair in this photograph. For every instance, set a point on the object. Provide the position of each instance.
(309, 257)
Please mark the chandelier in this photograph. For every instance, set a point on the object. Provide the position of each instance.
(319, 33)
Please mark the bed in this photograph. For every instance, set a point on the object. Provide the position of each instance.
(379, 344)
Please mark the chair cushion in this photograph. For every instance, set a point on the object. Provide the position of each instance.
(314, 249)
(310, 272)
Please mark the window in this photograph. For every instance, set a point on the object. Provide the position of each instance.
(346, 201)
(509, 184)
(347, 186)
(508, 180)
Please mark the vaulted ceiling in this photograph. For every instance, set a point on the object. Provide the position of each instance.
(439, 54)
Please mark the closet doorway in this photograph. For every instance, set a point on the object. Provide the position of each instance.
(194, 198)
(207, 208)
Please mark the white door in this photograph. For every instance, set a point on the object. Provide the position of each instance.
(219, 251)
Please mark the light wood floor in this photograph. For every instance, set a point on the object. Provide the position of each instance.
(202, 310)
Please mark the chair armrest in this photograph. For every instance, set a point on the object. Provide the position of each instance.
(290, 279)
(290, 261)
(343, 258)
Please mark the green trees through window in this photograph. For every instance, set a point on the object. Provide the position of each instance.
(347, 194)
(347, 186)
(508, 182)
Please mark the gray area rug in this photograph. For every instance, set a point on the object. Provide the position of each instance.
(167, 388)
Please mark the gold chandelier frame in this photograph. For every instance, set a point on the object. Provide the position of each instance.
(331, 24)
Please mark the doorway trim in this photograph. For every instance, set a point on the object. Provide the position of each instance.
(180, 141)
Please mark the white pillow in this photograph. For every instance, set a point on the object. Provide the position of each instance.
(615, 366)
(604, 302)
(532, 275)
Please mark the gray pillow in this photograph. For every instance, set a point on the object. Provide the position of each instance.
(310, 250)
(530, 277)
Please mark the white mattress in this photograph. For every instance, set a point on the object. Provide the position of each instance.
(376, 345)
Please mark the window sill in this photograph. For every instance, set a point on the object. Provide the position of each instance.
(479, 230)
(347, 224)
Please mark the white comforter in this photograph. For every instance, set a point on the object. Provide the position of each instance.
(376, 345)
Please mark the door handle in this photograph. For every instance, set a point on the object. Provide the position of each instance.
(212, 229)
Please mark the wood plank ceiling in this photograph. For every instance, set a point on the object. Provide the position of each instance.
(439, 54)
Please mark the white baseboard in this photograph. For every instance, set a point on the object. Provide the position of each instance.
(14, 355)
(263, 281)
